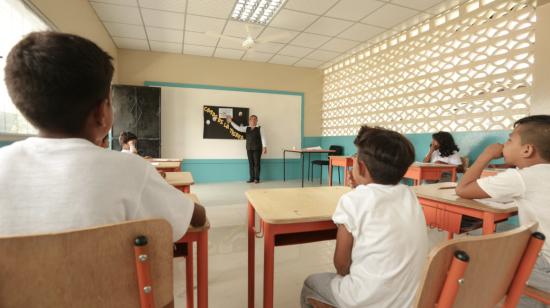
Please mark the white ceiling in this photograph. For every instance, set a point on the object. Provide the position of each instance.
(318, 30)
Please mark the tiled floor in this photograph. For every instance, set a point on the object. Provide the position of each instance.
(226, 207)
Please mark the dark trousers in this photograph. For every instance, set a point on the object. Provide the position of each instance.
(254, 163)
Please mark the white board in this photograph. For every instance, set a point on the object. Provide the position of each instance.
(279, 116)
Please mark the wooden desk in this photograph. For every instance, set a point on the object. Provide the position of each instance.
(287, 216)
(179, 160)
(200, 236)
(491, 171)
(340, 161)
(169, 166)
(443, 209)
(302, 152)
(429, 171)
(180, 180)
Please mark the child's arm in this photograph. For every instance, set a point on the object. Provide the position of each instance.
(342, 253)
(199, 216)
(469, 188)
(428, 156)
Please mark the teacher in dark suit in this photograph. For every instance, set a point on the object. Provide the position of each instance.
(255, 145)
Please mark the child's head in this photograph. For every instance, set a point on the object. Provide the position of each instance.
(383, 156)
(445, 143)
(61, 84)
(529, 142)
(125, 138)
(252, 120)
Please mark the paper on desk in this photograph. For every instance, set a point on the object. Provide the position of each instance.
(314, 148)
(501, 204)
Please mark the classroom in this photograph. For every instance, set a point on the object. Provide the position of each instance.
(275, 153)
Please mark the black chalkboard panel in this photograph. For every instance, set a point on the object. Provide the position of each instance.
(137, 109)
(216, 126)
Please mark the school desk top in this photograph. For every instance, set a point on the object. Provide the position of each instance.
(179, 178)
(309, 151)
(296, 205)
(431, 165)
(206, 224)
(165, 164)
(445, 193)
(165, 160)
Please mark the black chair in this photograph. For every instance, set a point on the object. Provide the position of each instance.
(339, 150)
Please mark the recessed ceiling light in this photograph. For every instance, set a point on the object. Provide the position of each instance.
(256, 11)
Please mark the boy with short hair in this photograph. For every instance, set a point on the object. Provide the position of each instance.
(63, 179)
(527, 148)
(382, 242)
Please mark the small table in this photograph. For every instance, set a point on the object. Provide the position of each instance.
(180, 180)
(443, 209)
(429, 171)
(302, 152)
(288, 216)
(491, 171)
(340, 161)
(167, 166)
(200, 236)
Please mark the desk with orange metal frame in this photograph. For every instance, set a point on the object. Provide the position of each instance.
(302, 152)
(200, 236)
(287, 216)
(419, 171)
(443, 209)
(167, 166)
(180, 180)
(340, 161)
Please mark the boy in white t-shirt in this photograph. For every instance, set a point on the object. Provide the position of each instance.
(527, 148)
(63, 179)
(381, 243)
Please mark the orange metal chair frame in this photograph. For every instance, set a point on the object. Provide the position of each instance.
(143, 270)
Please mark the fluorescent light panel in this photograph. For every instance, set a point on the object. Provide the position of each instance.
(256, 11)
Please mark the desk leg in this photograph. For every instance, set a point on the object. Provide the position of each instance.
(189, 276)
(202, 270)
(488, 223)
(303, 168)
(309, 166)
(269, 258)
(284, 166)
(251, 251)
(453, 175)
(329, 172)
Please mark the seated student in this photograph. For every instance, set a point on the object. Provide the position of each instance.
(62, 179)
(382, 241)
(527, 148)
(128, 142)
(443, 150)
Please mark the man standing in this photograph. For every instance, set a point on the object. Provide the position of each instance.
(255, 145)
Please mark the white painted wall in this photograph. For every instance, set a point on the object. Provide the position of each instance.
(182, 118)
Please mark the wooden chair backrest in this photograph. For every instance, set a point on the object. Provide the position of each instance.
(92, 267)
(494, 260)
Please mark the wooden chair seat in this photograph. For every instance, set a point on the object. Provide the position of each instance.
(93, 267)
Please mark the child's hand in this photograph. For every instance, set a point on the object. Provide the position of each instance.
(494, 150)
(434, 146)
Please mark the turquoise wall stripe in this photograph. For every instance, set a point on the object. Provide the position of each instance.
(470, 143)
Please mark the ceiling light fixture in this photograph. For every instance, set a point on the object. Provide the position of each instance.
(256, 11)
